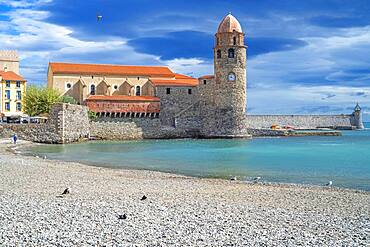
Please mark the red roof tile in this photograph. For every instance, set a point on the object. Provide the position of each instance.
(11, 76)
(179, 81)
(122, 98)
(105, 69)
(180, 76)
(207, 77)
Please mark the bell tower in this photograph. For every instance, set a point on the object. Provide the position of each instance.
(230, 58)
(224, 112)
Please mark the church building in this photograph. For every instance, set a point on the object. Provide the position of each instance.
(215, 103)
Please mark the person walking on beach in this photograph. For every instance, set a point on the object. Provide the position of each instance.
(14, 139)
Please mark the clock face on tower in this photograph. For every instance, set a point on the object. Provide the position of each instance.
(231, 77)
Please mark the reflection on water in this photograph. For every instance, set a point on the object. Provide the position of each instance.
(314, 160)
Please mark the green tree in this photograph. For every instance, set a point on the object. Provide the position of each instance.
(68, 99)
(38, 100)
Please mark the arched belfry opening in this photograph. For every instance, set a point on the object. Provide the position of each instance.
(218, 53)
(231, 53)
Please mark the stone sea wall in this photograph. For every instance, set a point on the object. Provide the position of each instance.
(43, 133)
(67, 123)
(134, 129)
(70, 123)
(300, 121)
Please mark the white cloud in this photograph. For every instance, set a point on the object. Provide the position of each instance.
(39, 42)
(292, 80)
(24, 3)
(305, 99)
(190, 66)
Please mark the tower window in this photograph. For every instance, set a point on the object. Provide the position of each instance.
(18, 84)
(7, 83)
(189, 91)
(138, 78)
(19, 106)
(218, 41)
(231, 53)
(138, 91)
(92, 89)
(68, 86)
(218, 53)
(168, 90)
(204, 82)
(234, 40)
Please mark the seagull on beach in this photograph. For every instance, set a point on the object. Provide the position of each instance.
(66, 191)
(329, 184)
(233, 179)
(143, 198)
(256, 179)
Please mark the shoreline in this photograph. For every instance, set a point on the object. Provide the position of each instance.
(17, 150)
(179, 211)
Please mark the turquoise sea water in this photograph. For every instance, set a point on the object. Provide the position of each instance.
(308, 160)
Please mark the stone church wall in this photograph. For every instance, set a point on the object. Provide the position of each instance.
(176, 101)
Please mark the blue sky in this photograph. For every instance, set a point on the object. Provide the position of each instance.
(303, 56)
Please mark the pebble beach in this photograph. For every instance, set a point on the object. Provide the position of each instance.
(177, 211)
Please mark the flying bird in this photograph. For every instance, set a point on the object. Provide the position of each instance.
(99, 17)
(143, 198)
(66, 191)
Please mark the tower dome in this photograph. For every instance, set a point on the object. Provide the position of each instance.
(229, 24)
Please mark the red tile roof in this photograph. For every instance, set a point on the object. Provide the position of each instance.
(11, 76)
(180, 76)
(105, 69)
(207, 77)
(179, 81)
(121, 98)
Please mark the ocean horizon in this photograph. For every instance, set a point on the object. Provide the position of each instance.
(313, 160)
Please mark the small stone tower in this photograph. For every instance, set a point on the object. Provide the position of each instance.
(357, 117)
(9, 61)
(225, 116)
